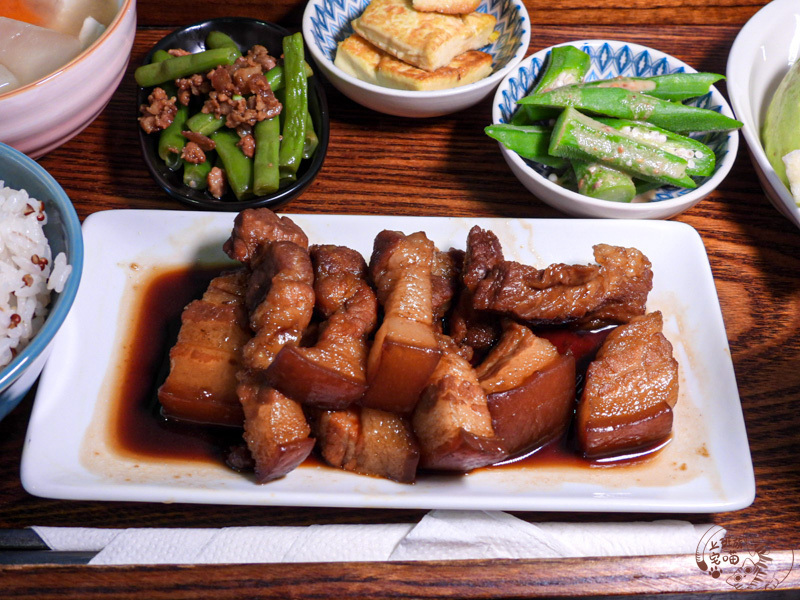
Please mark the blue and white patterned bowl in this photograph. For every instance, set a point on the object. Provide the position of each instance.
(327, 22)
(611, 59)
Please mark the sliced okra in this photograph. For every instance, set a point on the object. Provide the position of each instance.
(566, 65)
(625, 104)
(529, 141)
(577, 136)
(597, 180)
(672, 86)
(700, 158)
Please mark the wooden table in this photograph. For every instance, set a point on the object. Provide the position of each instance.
(448, 167)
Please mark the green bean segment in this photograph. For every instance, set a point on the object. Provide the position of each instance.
(295, 107)
(171, 140)
(577, 136)
(311, 140)
(238, 168)
(204, 123)
(217, 39)
(275, 76)
(266, 174)
(183, 66)
(195, 175)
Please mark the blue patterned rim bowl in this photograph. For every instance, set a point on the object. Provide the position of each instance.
(63, 231)
(611, 59)
(327, 22)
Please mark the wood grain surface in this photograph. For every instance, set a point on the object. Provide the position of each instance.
(378, 164)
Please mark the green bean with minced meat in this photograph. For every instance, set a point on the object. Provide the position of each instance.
(176, 67)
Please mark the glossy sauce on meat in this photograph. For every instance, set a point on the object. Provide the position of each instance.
(138, 425)
(139, 429)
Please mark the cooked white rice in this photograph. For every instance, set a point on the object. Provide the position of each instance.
(28, 275)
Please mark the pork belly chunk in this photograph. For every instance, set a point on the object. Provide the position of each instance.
(255, 228)
(445, 283)
(452, 421)
(476, 329)
(530, 389)
(405, 350)
(367, 441)
(280, 298)
(275, 429)
(201, 385)
(613, 291)
(332, 373)
(630, 390)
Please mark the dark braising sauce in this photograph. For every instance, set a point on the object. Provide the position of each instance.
(139, 428)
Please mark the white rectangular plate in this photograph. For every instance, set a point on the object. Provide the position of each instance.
(705, 468)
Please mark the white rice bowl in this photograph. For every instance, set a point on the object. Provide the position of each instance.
(28, 273)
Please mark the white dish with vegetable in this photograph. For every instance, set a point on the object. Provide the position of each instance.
(673, 144)
(759, 60)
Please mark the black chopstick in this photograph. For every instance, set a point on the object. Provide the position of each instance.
(44, 557)
(25, 547)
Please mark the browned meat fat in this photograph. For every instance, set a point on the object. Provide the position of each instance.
(445, 275)
(630, 390)
(452, 421)
(332, 373)
(530, 388)
(612, 291)
(368, 441)
(275, 430)
(201, 385)
(476, 329)
(257, 227)
(280, 299)
(405, 351)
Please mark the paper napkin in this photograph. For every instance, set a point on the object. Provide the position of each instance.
(440, 535)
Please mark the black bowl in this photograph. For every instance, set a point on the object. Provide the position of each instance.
(246, 33)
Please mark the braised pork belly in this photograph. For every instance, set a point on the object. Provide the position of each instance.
(452, 420)
(280, 301)
(476, 329)
(332, 373)
(423, 359)
(404, 352)
(367, 441)
(630, 390)
(530, 389)
(256, 227)
(445, 277)
(613, 291)
(201, 385)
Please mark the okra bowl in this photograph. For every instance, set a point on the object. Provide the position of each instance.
(244, 33)
(605, 60)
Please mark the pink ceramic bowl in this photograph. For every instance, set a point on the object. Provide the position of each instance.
(42, 115)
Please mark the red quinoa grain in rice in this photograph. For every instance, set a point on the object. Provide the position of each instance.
(28, 273)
